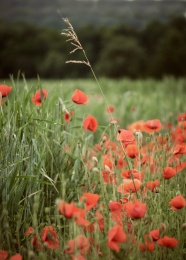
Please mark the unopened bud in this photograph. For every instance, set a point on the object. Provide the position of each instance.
(113, 122)
(163, 227)
(94, 159)
(107, 168)
(95, 169)
(104, 138)
(139, 137)
(184, 226)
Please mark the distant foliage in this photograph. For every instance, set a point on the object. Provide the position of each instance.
(156, 51)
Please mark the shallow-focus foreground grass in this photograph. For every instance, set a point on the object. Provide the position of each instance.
(48, 159)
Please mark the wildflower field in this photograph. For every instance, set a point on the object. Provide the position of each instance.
(90, 174)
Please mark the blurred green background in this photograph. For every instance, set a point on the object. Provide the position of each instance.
(131, 39)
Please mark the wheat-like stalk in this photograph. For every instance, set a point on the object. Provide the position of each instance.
(72, 37)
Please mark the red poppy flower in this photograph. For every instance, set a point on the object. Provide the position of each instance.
(132, 174)
(181, 117)
(49, 236)
(129, 185)
(29, 231)
(107, 162)
(168, 172)
(66, 209)
(132, 151)
(121, 163)
(152, 126)
(80, 243)
(179, 149)
(126, 137)
(3, 255)
(155, 234)
(90, 123)
(136, 126)
(116, 235)
(152, 185)
(16, 257)
(5, 90)
(90, 200)
(178, 202)
(135, 209)
(39, 96)
(168, 241)
(180, 167)
(79, 215)
(79, 97)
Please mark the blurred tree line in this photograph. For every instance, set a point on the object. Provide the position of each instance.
(156, 51)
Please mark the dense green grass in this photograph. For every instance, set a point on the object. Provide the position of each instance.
(37, 169)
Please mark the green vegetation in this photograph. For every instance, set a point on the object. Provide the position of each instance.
(45, 158)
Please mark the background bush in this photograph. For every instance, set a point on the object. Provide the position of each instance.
(118, 51)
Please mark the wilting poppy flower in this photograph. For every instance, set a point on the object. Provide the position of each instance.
(100, 220)
(5, 90)
(88, 226)
(135, 209)
(90, 123)
(115, 209)
(168, 241)
(126, 137)
(178, 202)
(16, 257)
(116, 235)
(3, 255)
(90, 200)
(67, 116)
(80, 243)
(79, 97)
(39, 96)
(66, 209)
(168, 172)
(36, 243)
(110, 109)
(109, 177)
(148, 246)
(129, 185)
(49, 236)
(152, 126)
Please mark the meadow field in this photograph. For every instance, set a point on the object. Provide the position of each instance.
(93, 173)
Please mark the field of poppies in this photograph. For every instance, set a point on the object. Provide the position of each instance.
(90, 174)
